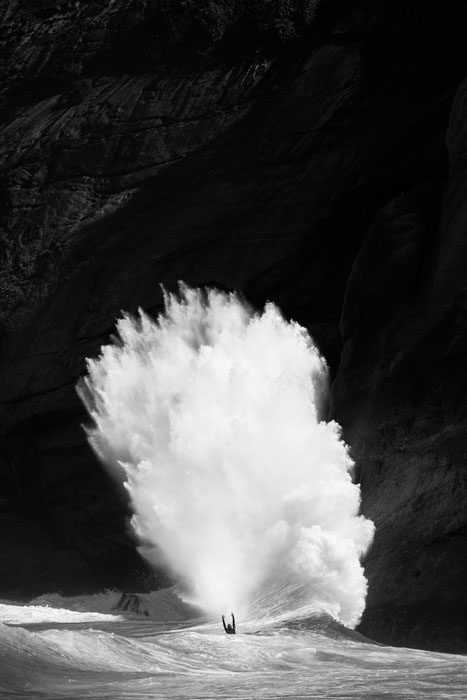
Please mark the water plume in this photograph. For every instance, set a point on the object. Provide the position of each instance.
(210, 415)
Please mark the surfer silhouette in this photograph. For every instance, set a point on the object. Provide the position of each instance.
(229, 629)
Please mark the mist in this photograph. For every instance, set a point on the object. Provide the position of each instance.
(211, 417)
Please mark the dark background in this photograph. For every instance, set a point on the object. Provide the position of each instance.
(313, 154)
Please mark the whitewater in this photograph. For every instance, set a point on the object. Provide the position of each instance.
(213, 418)
(79, 648)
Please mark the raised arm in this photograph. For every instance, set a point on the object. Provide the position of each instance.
(223, 622)
(233, 622)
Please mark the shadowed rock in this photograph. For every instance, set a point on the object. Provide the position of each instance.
(317, 177)
(130, 602)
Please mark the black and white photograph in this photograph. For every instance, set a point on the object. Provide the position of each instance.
(233, 349)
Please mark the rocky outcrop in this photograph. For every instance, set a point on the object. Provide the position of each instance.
(131, 602)
(399, 393)
(317, 177)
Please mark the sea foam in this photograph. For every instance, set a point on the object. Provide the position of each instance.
(211, 418)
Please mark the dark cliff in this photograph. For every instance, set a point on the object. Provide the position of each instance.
(317, 161)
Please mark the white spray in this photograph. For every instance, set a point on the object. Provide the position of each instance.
(210, 416)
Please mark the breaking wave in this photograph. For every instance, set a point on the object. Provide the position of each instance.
(83, 647)
(211, 418)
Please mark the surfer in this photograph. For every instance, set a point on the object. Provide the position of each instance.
(229, 629)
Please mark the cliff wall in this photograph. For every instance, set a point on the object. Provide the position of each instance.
(327, 175)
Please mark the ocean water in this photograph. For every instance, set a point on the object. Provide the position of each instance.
(79, 648)
(213, 418)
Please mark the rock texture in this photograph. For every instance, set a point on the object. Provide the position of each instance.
(131, 602)
(316, 176)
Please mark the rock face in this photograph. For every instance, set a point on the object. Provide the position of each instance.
(131, 602)
(317, 177)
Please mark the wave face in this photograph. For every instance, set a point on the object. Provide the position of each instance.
(211, 417)
(70, 648)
